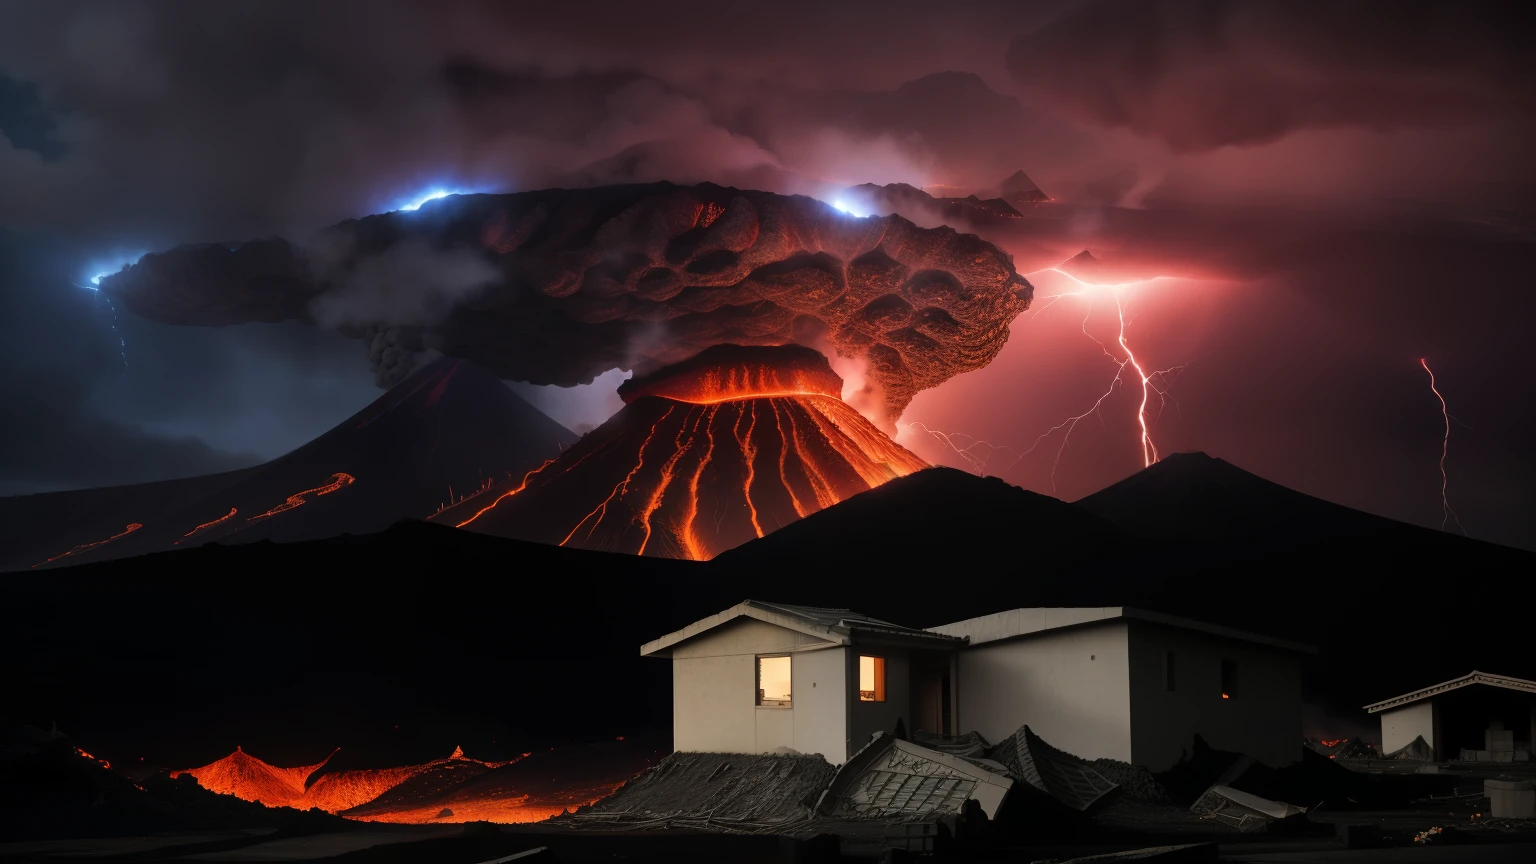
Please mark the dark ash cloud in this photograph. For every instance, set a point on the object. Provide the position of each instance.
(1203, 74)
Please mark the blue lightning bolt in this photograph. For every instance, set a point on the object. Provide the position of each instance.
(93, 285)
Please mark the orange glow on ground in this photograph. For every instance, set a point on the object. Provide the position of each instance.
(86, 547)
(251, 779)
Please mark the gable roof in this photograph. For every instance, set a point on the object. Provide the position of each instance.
(838, 626)
(1019, 623)
(1473, 677)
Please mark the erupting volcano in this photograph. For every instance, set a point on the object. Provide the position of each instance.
(706, 454)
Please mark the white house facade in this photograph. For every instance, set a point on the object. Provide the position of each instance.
(1112, 682)
(759, 677)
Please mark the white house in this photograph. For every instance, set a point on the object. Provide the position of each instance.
(1129, 684)
(1112, 682)
(1478, 717)
(763, 676)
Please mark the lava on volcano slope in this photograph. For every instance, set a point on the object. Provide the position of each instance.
(86, 547)
(706, 454)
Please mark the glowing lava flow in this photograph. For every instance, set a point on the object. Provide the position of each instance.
(206, 525)
(619, 489)
(338, 480)
(1446, 513)
(505, 495)
(86, 547)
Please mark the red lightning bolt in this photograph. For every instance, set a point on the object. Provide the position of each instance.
(1446, 513)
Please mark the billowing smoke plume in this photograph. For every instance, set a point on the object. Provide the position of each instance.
(557, 287)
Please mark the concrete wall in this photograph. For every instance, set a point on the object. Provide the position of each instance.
(1399, 726)
(1072, 687)
(820, 679)
(867, 718)
(714, 698)
(1262, 718)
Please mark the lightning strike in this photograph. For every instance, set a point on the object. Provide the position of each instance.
(1447, 515)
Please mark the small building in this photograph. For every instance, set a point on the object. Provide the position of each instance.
(1111, 682)
(1129, 684)
(1475, 718)
(763, 676)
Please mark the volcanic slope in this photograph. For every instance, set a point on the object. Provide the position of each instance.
(1193, 496)
(706, 454)
(449, 430)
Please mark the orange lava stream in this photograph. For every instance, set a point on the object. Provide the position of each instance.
(691, 542)
(667, 470)
(825, 496)
(619, 490)
(1446, 513)
(206, 525)
(794, 499)
(86, 547)
(505, 495)
(338, 481)
(749, 454)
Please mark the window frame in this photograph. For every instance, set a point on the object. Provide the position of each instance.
(878, 694)
(758, 697)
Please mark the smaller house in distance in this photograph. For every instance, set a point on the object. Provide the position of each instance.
(1102, 682)
(1475, 718)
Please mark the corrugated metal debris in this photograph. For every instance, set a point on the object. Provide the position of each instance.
(1247, 813)
(894, 779)
(1071, 780)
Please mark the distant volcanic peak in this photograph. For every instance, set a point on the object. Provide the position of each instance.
(689, 478)
(1083, 266)
(1017, 188)
(727, 372)
(563, 285)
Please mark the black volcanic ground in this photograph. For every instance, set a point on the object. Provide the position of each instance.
(395, 642)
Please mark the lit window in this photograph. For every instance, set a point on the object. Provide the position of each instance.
(1228, 679)
(773, 682)
(1167, 670)
(871, 679)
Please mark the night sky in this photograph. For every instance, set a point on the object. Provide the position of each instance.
(1310, 197)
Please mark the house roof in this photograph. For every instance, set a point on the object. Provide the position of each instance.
(1473, 677)
(1020, 623)
(838, 626)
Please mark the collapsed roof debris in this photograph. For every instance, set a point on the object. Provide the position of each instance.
(1069, 779)
(1418, 750)
(1247, 813)
(895, 779)
(727, 792)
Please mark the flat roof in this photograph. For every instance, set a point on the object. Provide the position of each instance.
(1467, 680)
(838, 626)
(1021, 623)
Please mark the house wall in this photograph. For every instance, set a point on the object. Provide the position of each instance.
(821, 716)
(1071, 686)
(1400, 725)
(1261, 719)
(867, 718)
(714, 695)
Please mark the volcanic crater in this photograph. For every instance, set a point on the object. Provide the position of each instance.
(707, 454)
